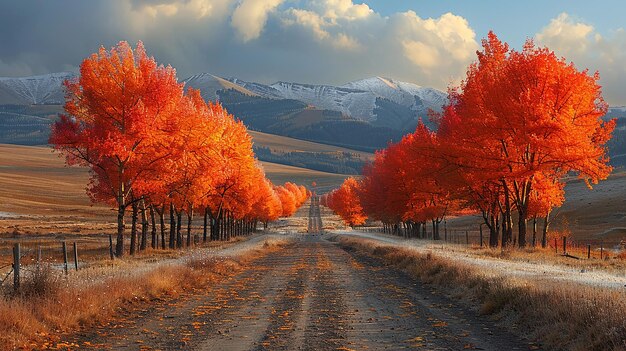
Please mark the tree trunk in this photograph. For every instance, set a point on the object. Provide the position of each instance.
(534, 231)
(544, 232)
(121, 209)
(215, 227)
(121, 227)
(144, 226)
(179, 224)
(153, 242)
(206, 222)
(172, 226)
(133, 229)
(189, 219)
(162, 225)
(521, 225)
(436, 230)
(507, 219)
(493, 231)
(229, 233)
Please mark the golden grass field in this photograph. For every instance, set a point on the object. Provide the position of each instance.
(590, 216)
(282, 144)
(40, 195)
(50, 198)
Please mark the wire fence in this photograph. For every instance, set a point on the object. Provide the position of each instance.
(563, 245)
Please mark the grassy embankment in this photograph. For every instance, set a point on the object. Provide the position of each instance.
(560, 315)
(49, 305)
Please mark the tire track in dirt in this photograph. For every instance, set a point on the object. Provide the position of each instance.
(311, 295)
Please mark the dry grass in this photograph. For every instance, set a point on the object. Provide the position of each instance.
(54, 305)
(611, 262)
(590, 216)
(40, 196)
(284, 144)
(278, 174)
(563, 316)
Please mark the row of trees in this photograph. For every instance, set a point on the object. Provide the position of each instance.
(158, 149)
(516, 128)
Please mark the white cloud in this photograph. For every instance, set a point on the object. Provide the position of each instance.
(315, 41)
(250, 16)
(345, 9)
(428, 41)
(565, 35)
(420, 54)
(346, 42)
(307, 19)
(169, 8)
(582, 44)
(324, 27)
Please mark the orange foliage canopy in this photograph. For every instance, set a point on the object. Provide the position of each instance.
(345, 202)
(514, 128)
(145, 139)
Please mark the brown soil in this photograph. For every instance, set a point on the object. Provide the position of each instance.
(311, 295)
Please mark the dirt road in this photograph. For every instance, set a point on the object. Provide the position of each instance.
(311, 295)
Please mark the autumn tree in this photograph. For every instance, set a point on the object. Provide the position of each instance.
(345, 202)
(115, 111)
(523, 114)
(153, 147)
(513, 129)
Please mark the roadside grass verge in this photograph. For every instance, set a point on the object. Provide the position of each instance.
(611, 261)
(561, 316)
(50, 304)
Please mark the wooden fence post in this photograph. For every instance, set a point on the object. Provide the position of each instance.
(556, 246)
(564, 245)
(466, 238)
(588, 251)
(111, 246)
(601, 249)
(75, 256)
(16, 267)
(38, 254)
(65, 256)
(481, 235)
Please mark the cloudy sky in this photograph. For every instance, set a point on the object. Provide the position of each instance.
(319, 41)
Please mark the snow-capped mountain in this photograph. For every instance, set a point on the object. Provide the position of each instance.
(382, 101)
(34, 90)
(209, 85)
(358, 104)
(357, 99)
(402, 93)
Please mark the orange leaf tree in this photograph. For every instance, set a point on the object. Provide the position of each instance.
(523, 114)
(345, 202)
(115, 113)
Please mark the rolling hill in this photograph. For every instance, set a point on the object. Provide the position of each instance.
(285, 144)
(363, 115)
(35, 181)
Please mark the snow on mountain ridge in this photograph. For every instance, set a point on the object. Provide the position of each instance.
(41, 89)
(209, 84)
(356, 103)
(356, 99)
(402, 93)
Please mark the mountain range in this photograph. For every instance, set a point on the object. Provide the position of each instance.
(363, 115)
(358, 99)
